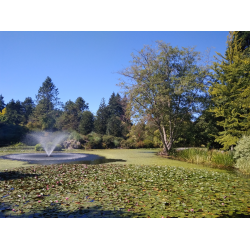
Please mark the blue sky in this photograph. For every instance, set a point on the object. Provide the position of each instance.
(82, 63)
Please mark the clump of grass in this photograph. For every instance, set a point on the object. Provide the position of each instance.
(206, 157)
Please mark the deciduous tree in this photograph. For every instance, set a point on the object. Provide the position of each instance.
(165, 83)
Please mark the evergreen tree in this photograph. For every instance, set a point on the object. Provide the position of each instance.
(115, 114)
(2, 104)
(47, 103)
(28, 107)
(230, 93)
(72, 114)
(101, 118)
(14, 112)
(81, 105)
(87, 123)
(243, 40)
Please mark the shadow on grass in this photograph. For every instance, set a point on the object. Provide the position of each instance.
(12, 175)
(55, 211)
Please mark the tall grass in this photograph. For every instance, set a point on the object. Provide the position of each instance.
(206, 157)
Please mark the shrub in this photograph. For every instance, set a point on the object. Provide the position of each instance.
(117, 141)
(129, 143)
(223, 158)
(76, 136)
(58, 147)
(108, 140)
(242, 154)
(38, 147)
(148, 144)
(139, 144)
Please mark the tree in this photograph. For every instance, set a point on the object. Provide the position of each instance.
(81, 105)
(243, 40)
(28, 108)
(72, 114)
(87, 123)
(101, 119)
(14, 112)
(2, 104)
(166, 84)
(231, 92)
(47, 102)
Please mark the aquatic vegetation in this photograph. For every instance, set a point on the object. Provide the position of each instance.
(117, 190)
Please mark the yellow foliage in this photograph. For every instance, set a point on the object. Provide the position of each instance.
(3, 112)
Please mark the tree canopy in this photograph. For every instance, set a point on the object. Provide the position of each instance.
(2, 104)
(47, 102)
(230, 92)
(167, 85)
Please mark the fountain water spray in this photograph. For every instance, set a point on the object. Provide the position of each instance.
(48, 140)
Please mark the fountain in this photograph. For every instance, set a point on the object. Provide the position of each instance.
(49, 141)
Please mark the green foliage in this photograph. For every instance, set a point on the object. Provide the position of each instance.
(129, 143)
(115, 190)
(167, 87)
(101, 118)
(75, 135)
(242, 154)
(148, 144)
(2, 104)
(111, 119)
(28, 108)
(58, 147)
(109, 141)
(230, 93)
(86, 125)
(14, 112)
(11, 134)
(114, 126)
(39, 147)
(45, 113)
(207, 157)
(72, 114)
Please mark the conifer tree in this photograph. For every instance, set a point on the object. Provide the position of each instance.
(87, 123)
(28, 108)
(230, 92)
(2, 104)
(14, 112)
(47, 103)
(101, 118)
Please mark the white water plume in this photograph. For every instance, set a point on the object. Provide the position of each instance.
(48, 140)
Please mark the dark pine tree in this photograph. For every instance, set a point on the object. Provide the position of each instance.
(2, 104)
(14, 112)
(101, 119)
(28, 108)
(87, 123)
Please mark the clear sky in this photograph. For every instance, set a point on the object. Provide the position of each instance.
(82, 63)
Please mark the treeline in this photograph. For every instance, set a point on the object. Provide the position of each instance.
(46, 112)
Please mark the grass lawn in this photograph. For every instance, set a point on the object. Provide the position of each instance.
(145, 185)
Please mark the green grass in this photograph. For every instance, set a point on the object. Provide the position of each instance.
(213, 158)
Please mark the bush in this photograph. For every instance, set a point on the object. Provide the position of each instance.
(39, 147)
(129, 143)
(242, 154)
(76, 136)
(139, 144)
(58, 147)
(109, 141)
(148, 144)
